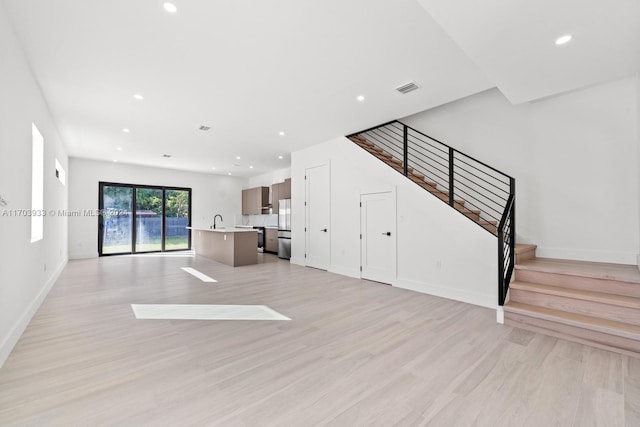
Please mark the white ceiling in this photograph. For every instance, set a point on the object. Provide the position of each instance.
(513, 41)
(252, 69)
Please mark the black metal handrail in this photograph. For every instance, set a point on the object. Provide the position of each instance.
(482, 187)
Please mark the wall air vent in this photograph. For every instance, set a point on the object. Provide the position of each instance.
(406, 88)
(204, 128)
(166, 156)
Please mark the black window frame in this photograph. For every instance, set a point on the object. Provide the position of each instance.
(102, 184)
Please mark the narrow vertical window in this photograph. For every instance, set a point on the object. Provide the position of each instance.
(37, 184)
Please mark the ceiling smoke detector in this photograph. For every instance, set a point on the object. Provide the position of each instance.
(204, 128)
(406, 88)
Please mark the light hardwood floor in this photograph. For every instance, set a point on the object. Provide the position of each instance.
(355, 353)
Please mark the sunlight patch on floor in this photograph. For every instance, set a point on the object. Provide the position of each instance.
(205, 312)
(198, 274)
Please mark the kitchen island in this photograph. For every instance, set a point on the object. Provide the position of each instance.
(231, 246)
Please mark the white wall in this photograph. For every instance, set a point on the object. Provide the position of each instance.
(211, 194)
(265, 180)
(27, 270)
(637, 78)
(637, 81)
(439, 251)
(575, 160)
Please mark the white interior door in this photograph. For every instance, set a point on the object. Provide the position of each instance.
(317, 217)
(378, 242)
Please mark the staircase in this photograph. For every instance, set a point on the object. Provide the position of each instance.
(422, 181)
(591, 303)
(476, 190)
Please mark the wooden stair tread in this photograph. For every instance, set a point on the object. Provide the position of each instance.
(371, 148)
(576, 320)
(466, 210)
(525, 247)
(421, 180)
(525, 252)
(601, 297)
(595, 270)
(586, 337)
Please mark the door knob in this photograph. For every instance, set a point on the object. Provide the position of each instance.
(324, 229)
(388, 233)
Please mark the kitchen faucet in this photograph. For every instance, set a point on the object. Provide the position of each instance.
(214, 220)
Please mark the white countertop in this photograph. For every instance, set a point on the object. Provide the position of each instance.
(225, 230)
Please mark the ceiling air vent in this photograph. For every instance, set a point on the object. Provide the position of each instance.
(406, 88)
(204, 128)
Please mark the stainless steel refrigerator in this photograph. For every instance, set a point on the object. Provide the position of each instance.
(284, 229)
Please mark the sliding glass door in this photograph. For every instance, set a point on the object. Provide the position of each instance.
(176, 219)
(158, 222)
(115, 228)
(148, 219)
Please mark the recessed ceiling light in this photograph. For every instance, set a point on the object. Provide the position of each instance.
(280, 157)
(125, 130)
(115, 161)
(119, 148)
(281, 133)
(250, 167)
(138, 97)
(237, 157)
(564, 39)
(213, 167)
(170, 7)
(360, 98)
(229, 173)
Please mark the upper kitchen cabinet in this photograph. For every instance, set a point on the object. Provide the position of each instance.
(279, 191)
(255, 201)
(286, 189)
(275, 196)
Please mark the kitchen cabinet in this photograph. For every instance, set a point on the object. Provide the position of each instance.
(271, 240)
(285, 189)
(275, 196)
(254, 200)
(280, 190)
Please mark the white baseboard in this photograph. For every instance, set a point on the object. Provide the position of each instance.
(500, 315)
(345, 271)
(627, 258)
(638, 261)
(483, 300)
(18, 328)
(297, 261)
(83, 255)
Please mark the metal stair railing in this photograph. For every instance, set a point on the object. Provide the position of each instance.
(482, 187)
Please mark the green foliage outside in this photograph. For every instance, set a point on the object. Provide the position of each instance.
(147, 199)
